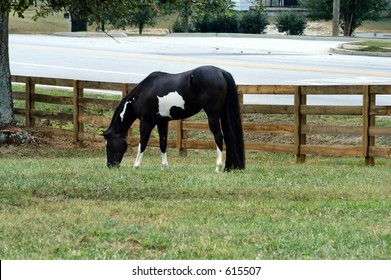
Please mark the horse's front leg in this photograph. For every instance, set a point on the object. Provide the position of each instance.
(145, 134)
(163, 133)
(219, 159)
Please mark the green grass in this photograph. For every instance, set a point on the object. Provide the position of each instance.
(56, 23)
(375, 46)
(58, 203)
(381, 25)
(26, 25)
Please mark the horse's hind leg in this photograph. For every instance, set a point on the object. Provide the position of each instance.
(163, 132)
(214, 125)
(145, 134)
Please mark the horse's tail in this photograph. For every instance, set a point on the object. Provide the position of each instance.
(231, 123)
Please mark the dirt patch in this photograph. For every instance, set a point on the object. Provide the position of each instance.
(314, 28)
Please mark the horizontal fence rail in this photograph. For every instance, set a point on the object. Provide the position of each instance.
(84, 118)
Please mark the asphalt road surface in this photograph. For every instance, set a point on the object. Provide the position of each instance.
(256, 60)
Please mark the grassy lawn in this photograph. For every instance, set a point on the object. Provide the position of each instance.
(374, 46)
(26, 25)
(381, 25)
(56, 23)
(61, 203)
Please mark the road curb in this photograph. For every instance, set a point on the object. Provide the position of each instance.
(83, 34)
(340, 50)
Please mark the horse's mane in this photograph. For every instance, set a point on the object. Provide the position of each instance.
(135, 92)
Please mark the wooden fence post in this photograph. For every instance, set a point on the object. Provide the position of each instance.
(369, 101)
(77, 110)
(30, 103)
(180, 135)
(240, 98)
(299, 138)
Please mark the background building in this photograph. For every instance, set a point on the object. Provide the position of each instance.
(244, 5)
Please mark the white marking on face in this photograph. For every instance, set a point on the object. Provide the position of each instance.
(172, 99)
(219, 160)
(122, 114)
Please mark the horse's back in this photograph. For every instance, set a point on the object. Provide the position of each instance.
(206, 75)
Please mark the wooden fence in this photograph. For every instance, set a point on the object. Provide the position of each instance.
(298, 129)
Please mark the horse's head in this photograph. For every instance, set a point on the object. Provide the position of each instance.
(116, 146)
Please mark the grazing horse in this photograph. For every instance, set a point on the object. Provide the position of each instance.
(162, 97)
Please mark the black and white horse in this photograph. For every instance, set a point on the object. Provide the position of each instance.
(162, 97)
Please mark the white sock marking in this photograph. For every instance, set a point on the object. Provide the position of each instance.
(139, 157)
(219, 160)
(164, 160)
(172, 99)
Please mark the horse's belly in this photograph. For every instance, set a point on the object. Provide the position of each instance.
(178, 113)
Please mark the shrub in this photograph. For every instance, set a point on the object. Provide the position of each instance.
(219, 24)
(291, 22)
(203, 24)
(227, 23)
(253, 22)
(178, 26)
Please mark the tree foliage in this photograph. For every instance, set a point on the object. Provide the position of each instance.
(119, 13)
(189, 10)
(216, 16)
(352, 12)
(134, 13)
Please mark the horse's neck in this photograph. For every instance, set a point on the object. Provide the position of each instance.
(124, 117)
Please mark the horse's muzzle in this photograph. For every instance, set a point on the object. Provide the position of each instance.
(113, 164)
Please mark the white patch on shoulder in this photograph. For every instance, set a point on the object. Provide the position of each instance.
(122, 114)
(172, 99)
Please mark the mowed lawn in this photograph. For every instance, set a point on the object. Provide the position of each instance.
(64, 203)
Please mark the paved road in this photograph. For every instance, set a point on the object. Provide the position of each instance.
(251, 60)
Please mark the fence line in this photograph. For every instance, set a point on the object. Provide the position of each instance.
(298, 129)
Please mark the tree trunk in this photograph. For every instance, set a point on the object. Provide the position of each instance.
(336, 14)
(186, 17)
(6, 102)
(347, 25)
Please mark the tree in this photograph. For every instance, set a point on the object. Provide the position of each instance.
(6, 103)
(136, 13)
(352, 12)
(253, 22)
(200, 9)
(7, 118)
(95, 11)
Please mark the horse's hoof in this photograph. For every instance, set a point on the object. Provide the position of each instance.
(218, 168)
